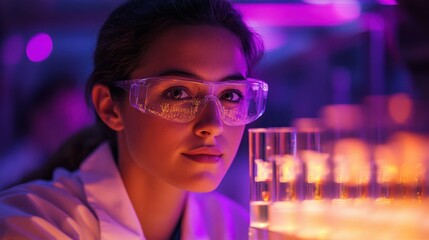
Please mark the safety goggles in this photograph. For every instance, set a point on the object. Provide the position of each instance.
(180, 100)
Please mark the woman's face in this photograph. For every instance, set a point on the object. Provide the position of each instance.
(195, 155)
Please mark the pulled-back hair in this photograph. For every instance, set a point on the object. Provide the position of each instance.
(123, 42)
(131, 29)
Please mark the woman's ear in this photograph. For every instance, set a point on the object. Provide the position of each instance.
(106, 108)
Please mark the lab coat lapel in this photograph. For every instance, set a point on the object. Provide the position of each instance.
(107, 196)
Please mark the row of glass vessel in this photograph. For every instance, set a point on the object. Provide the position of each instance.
(345, 175)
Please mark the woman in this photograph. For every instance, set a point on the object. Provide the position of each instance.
(171, 81)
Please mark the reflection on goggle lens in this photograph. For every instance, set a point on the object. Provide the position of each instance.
(176, 99)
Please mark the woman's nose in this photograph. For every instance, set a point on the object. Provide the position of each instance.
(208, 121)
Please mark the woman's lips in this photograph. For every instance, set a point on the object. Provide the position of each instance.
(204, 158)
(204, 154)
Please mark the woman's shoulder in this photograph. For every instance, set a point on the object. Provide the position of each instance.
(43, 209)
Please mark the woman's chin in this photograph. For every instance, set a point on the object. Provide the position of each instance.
(203, 186)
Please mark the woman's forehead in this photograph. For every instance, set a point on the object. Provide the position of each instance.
(211, 53)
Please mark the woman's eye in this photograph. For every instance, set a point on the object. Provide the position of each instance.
(176, 93)
(231, 96)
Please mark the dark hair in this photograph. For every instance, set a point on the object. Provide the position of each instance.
(129, 32)
(131, 28)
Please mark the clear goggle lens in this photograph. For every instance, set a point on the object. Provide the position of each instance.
(239, 102)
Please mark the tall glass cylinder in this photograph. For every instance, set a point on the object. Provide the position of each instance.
(287, 171)
(314, 209)
(317, 166)
(260, 177)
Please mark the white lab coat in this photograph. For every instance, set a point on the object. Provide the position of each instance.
(92, 203)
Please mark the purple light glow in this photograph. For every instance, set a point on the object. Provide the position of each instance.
(276, 14)
(388, 2)
(318, 1)
(13, 49)
(39, 47)
(329, 1)
(347, 11)
(272, 39)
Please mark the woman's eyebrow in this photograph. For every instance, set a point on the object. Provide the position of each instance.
(181, 73)
(234, 77)
(176, 72)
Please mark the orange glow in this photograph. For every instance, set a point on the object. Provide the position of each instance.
(266, 195)
(411, 149)
(351, 157)
(288, 168)
(388, 164)
(307, 124)
(400, 108)
(263, 171)
(402, 159)
(317, 165)
(343, 117)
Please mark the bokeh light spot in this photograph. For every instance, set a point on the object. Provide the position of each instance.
(400, 108)
(39, 47)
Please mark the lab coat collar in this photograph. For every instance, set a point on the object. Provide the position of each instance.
(107, 196)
